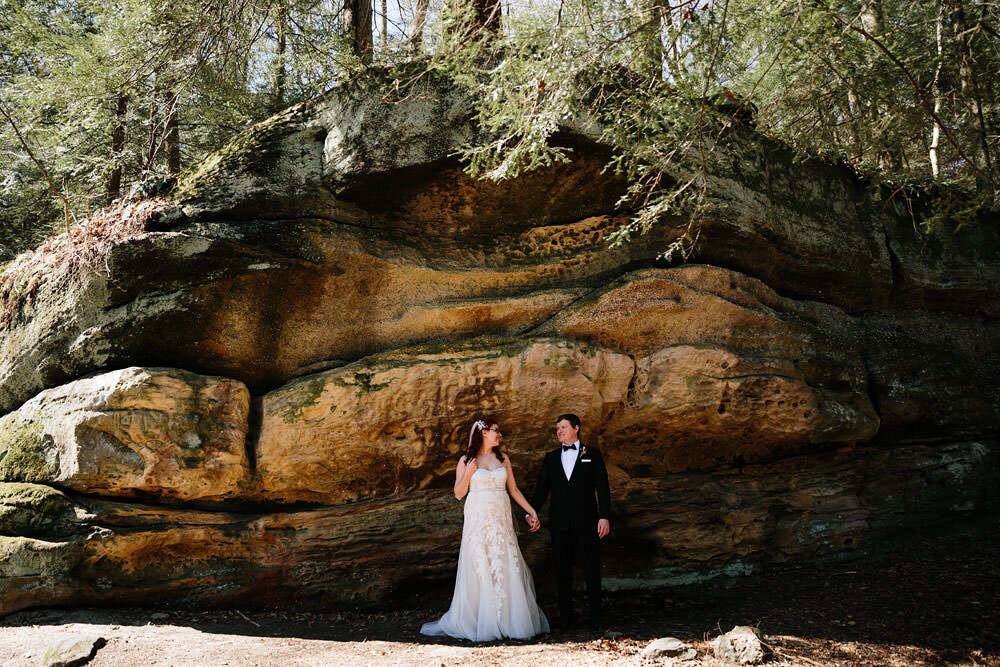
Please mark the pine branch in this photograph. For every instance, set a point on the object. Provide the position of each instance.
(39, 164)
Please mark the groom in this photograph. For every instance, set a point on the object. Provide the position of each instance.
(581, 504)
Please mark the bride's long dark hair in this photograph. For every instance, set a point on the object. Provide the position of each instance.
(476, 439)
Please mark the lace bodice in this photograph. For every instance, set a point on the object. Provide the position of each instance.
(489, 480)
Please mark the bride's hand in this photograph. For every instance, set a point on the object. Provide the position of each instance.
(471, 467)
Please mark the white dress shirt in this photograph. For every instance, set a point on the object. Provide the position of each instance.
(569, 459)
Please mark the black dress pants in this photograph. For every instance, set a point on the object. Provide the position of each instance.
(579, 545)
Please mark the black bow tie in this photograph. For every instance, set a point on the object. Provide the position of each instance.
(565, 447)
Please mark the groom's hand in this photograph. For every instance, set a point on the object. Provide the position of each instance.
(533, 523)
(603, 528)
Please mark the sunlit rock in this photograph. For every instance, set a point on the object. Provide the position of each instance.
(139, 431)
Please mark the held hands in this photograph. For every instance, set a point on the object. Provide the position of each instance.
(533, 522)
(603, 528)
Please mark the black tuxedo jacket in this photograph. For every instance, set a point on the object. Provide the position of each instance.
(579, 501)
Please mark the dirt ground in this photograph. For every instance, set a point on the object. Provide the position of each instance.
(933, 600)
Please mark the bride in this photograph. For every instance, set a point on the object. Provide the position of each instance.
(494, 593)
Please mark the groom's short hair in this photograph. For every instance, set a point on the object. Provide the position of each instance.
(573, 420)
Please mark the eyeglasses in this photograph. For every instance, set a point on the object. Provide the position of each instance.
(494, 429)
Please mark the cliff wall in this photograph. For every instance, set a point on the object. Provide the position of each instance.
(261, 397)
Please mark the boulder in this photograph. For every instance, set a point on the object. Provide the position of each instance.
(669, 647)
(742, 646)
(36, 510)
(165, 432)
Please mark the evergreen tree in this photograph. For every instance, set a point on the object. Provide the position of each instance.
(103, 101)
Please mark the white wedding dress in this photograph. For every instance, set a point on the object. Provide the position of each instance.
(494, 593)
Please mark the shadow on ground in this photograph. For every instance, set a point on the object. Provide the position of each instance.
(934, 595)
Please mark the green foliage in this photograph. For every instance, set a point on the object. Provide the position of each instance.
(850, 81)
(72, 74)
(891, 87)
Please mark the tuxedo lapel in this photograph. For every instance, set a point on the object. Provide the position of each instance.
(576, 466)
(557, 469)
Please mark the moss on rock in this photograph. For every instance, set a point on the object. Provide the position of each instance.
(25, 556)
(255, 150)
(22, 455)
(33, 510)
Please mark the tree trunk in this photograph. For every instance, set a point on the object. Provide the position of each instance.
(385, 26)
(676, 19)
(280, 73)
(117, 146)
(964, 37)
(854, 129)
(478, 20)
(873, 23)
(487, 15)
(419, 18)
(172, 136)
(358, 25)
(936, 127)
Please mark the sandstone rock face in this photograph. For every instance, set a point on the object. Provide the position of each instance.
(355, 297)
(263, 398)
(952, 270)
(726, 370)
(932, 375)
(135, 431)
(715, 407)
(361, 431)
(737, 520)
